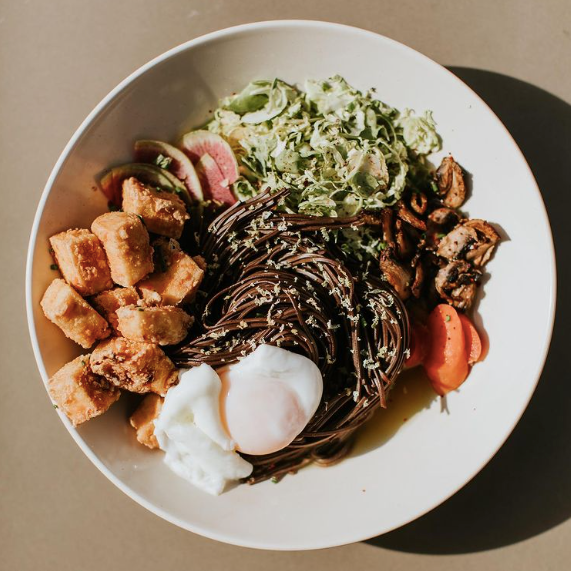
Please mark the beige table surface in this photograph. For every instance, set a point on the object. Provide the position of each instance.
(58, 58)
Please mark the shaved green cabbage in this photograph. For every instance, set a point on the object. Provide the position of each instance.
(340, 150)
(419, 133)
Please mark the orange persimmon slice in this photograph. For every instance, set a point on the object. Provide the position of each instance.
(418, 345)
(472, 340)
(446, 362)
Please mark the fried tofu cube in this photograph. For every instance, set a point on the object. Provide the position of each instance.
(80, 393)
(82, 261)
(108, 302)
(166, 325)
(134, 366)
(143, 420)
(164, 212)
(176, 279)
(126, 243)
(63, 306)
(200, 262)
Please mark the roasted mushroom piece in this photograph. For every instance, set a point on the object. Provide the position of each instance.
(481, 252)
(404, 245)
(456, 243)
(456, 283)
(443, 219)
(405, 214)
(472, 240)
(398, 275)
(450, 182)
(387, 216)
(439, 223)
(419, 203)
(419, 273)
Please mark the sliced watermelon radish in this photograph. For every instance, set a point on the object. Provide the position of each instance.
(147, 151)
(214, 183)
(111, 183)
(196, 144)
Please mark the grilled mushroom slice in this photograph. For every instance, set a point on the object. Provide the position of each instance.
(419, 203)
(450, 181)
(457, 243)
(472, 240)
(457, 283)
(443, 219)
(440, 222)
(481, 251)
(419, 273)
(398, 275)
(404, 245)
(387, 216)
(405, 214)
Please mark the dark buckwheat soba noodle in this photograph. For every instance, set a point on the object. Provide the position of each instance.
(279, 279)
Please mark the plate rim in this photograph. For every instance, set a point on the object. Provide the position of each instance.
(73, 141)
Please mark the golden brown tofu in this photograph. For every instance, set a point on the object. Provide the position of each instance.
(82, 261)
(200, 262)
(143, 420)
(164, 212)
(165, 325)
(79, 393)
(126, 243)
(63, 306)
(108, 302)
(176, 279)
(134, 366)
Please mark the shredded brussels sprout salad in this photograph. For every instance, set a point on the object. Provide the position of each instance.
(340, 150)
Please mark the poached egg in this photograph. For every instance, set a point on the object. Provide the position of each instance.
(256, 406)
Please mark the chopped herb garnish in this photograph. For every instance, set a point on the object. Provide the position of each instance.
(140, 309)
(113, 207)
(55, 405)
(274, 480)
(163, 162)
(440, 235)
(54, 267)
(447, 318)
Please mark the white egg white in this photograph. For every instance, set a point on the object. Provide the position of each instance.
(267, 399)
(190, 432)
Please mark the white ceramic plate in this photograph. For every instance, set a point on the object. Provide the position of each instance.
(432, 455)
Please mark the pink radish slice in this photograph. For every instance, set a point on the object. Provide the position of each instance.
(214, 183)
(196, 144)
(147, 151)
